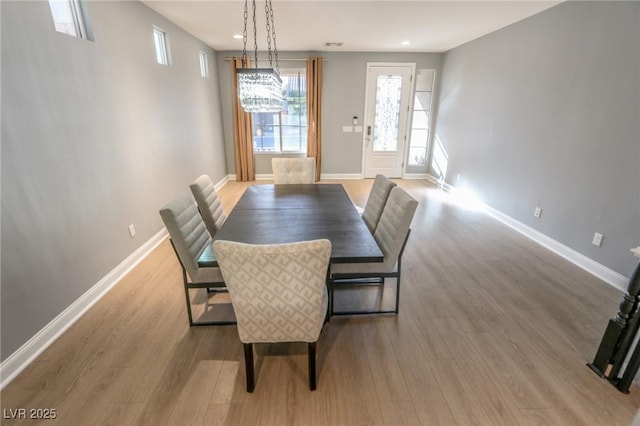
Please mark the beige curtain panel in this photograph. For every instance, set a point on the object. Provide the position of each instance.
(314, 111)
(242, 129)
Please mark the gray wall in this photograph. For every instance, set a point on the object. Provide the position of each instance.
(546, 113)
(343, 97)
(95, 136)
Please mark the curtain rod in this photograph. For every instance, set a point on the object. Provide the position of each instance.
(228, 58)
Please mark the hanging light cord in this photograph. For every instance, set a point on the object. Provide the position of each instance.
(266, 10)
(269, 9)
(244, 36)
(271, 35)
(255, 34)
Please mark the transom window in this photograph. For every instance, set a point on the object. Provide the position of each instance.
(284, 131)
(204, 65)
(69, 18)
(162, 46)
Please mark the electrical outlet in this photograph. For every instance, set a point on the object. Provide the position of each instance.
(132, 231)
(597, 239)
(538, 212)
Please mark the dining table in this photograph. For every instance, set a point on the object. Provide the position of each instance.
(274, 214)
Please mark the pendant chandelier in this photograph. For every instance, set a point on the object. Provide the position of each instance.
(260, 89)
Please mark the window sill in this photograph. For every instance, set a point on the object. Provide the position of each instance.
(284, 154)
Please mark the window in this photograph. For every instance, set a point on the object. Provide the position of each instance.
(421, 122)
(69, 17)
(204, 65)
(284, 131)
(162, 46)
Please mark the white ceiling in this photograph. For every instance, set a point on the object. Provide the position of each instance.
(306, 25)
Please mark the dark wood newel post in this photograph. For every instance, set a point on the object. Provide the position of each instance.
(630, 372)
(619, 335)
(628, 316)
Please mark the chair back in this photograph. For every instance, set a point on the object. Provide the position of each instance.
(377, 199)
(294, 170)
(187, 231)
(394, 225)
(278, 291)
(208, 203)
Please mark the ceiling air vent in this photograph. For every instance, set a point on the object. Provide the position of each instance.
(333, 44)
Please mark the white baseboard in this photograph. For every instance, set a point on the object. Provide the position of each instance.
(439, 182)
(222, 182)
(607, 275)
(264, 176)
(267, 176)
(22, 357)
(411, 176)
(344, 176)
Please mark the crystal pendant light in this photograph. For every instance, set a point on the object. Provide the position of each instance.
(260, 89)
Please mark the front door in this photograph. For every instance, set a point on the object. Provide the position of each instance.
(388, 92)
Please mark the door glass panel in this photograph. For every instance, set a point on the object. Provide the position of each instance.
(387, 113)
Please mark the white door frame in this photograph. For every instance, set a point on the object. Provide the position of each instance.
(405, 139)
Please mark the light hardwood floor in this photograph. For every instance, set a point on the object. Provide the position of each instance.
(493, 330)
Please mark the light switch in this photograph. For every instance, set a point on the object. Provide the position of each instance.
(347, 129)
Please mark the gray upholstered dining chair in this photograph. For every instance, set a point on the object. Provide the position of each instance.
(293, 170)
(378, 196)
(189, 238)
(278, 292)
(208, 203)
(391, 235)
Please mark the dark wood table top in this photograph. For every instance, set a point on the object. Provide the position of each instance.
(272, 214)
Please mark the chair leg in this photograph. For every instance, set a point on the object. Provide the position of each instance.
(398, 293)
(184, 281)
(248, 365)
(398, 279)
(312, 366)
(331, 290)
(186, 292)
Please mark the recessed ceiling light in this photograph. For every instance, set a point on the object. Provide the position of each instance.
(405, 43)
(237, 36)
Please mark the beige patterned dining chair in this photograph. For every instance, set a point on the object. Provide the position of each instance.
(293, 170)
(391, 235)
(209, 204)
(189, 238)
(278, 292)
(378, 196)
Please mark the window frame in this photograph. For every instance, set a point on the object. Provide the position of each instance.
(161, 46)
(203, 60)
(428, 111)
(78, 15)
(302, 118)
